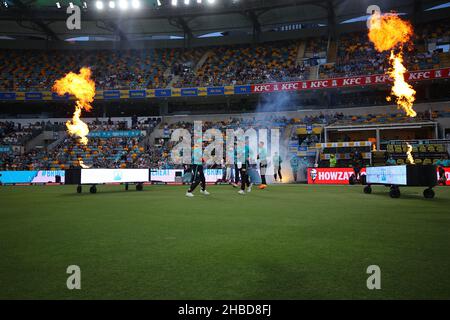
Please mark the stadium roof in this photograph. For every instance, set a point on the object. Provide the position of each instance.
(42, 19)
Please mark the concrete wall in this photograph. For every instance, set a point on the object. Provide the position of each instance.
(289, 114)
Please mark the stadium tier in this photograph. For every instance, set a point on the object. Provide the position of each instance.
(31, 70)
(134, 144)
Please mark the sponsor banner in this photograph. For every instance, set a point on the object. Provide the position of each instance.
(7, 96)
(165, 175)
(5, 149)
(137, 94)
(111, 94)
(215, 91)
(98, 176)
(447, 174)
(115, 134)
(212, 175)
(49, 176)
(418, 142)
(241, 89)
(33, 96)
(13, 177)
(169, 175)
(163, 93)
(347, 156)
(189, 92)
(344, 144)
(348, 82)
(56, 96)
(330, 175)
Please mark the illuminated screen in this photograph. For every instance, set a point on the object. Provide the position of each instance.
(10, 177)
(386, 175)
(169, 175)
(97, 176)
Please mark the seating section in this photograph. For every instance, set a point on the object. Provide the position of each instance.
(27, 70)
(12, 134)
(356, 55)
(243, 64)
(422, 153)
(108, 152)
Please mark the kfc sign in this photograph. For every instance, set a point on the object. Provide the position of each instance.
(348, 81)
(330, 175)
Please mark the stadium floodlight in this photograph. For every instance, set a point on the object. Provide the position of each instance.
(58, 5)
(174, 3)
(85, 5)
(99, 5)
(135, 4)
(159, 3)
(199, 1)
(123, 4)
(211, 1)
(186, 2)
(112, 4)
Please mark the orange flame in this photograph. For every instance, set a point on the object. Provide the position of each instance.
(409, 156)
(83, 88)
(388, 32)
(404, 92)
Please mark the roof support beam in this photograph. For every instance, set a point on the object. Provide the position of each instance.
(29, 15)
(116, 29)
(331, 16)
(183, 25)
(253, 17)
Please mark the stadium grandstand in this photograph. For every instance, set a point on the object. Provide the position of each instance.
(304, 73)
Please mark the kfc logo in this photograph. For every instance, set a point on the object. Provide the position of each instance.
(313, 175)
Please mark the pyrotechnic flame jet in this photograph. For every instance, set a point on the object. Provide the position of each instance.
(409, 156)
(389, 32)
(81, 163)
(83, 88)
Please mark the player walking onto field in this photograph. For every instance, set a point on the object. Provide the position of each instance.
(198, 176)
(277, 166)
(262, 157)
(243, 148)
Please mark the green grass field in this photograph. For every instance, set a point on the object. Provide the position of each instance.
(286, 242)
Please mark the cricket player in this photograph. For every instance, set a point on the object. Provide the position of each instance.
(277, 166)
(243, 167)
(262, 157)
(198, 176)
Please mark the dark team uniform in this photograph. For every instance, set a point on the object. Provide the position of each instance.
(245, 181)
(198, 177)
